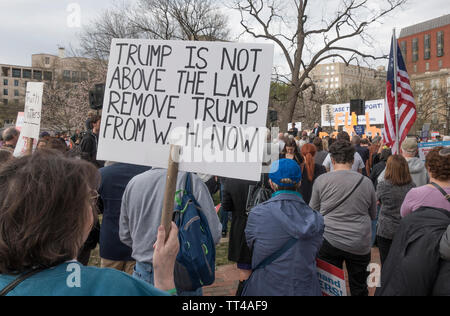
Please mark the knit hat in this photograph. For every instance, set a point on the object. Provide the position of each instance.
(285, 173)
(410, 146)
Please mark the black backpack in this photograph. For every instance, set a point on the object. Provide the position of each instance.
(257, 194)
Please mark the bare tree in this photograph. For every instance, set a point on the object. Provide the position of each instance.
(65, 105)
(433, 106)
(305, 43)
(155, 19)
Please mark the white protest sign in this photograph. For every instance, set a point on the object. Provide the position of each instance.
(211, 98)
(21, 146)
(375, 109)
(331, 279)
(33, 107)
(19, 120)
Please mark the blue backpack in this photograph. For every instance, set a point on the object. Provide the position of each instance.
(195, 264)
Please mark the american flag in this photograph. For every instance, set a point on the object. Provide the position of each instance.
(406, 105)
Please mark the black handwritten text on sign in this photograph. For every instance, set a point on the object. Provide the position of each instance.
(155, 89)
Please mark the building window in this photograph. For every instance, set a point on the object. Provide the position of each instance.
(84, 76)
(440, 64)
(16, 83)
(66, 75)
(27, 73)
(75, 76)
(47, 60)
(16, 93)
(5, 82)
(415, 49)
(5, 71)
(434, 117)
(5, 91)
(48, 75)
(5, 101)
(426, 46)
(17, 73)
(435, 83)
(37, 75)
(440, 44)
(435, 94)
(427, 66)
(403, 49)
(415, 68)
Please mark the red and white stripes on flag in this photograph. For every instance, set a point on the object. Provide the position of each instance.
(405, 100)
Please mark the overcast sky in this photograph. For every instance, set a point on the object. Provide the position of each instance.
(40, 26)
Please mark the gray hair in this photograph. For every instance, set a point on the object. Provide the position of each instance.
(10, 133)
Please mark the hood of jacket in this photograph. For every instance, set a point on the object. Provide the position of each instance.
(416, 166)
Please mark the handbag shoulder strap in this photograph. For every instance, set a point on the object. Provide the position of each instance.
(276, 254)
(11, 286)
(346, 198)
(437, 186)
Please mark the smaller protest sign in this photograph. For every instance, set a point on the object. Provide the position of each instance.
(331, 279)
(425, 148)
(360, 130)
(21, 146)
(19, 120)
(33, 107)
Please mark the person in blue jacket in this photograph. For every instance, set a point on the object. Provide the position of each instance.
(273, 224)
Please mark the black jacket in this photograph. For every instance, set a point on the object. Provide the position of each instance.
(88, 147)
(306, 185)
(413, 266)
(376, 171)
(234, 199)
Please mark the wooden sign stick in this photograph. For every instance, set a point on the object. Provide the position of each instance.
(170, 189)
(29, 149)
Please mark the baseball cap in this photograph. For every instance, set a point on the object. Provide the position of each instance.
(285, 173)
(410, 145)
(44, 134)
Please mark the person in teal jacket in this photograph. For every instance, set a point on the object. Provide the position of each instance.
(47, 210)
(271, 225)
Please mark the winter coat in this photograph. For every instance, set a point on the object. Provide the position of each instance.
(445, 245)
(234, 199)
(417, 171)
(391, 198)
(270, 225)
(413, 266)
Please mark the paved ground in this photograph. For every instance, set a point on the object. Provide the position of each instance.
(227, 279)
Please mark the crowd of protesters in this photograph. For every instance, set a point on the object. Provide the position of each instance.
(332, 199)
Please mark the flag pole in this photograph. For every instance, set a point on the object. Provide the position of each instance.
(397, 132)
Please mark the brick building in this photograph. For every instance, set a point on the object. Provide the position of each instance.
(426, 51)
